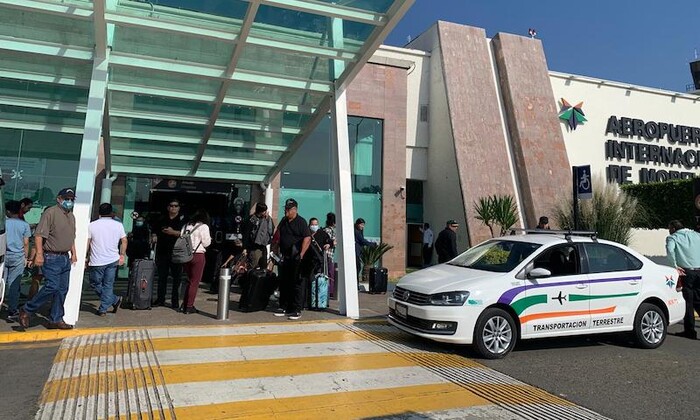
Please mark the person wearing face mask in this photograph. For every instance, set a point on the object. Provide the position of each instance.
(139, 240)
(55, 253)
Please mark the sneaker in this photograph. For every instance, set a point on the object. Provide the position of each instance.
(280, 312)
(295, 315)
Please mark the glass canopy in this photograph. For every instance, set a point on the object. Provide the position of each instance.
(216, 89)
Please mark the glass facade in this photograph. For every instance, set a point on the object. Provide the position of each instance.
(308, 176)
(38, 165)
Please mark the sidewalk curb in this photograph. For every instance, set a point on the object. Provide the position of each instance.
(54, 335)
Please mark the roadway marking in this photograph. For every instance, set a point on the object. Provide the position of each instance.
(293, 370)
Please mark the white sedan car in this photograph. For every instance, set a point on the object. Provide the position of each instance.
(538, 285)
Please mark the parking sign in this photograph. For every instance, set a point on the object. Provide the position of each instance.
(584, 185)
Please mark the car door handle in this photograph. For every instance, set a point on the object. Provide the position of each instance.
(634, 282)
(582, 286)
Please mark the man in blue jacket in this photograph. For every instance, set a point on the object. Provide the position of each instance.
(683, 252)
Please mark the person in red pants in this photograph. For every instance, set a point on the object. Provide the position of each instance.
(201, 239)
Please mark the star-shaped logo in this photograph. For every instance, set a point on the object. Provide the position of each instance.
(670, 282)
(573, 115)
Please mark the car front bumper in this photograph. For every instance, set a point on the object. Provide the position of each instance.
(446, 324)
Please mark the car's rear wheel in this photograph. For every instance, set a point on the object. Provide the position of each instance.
(495, 334)
(649, 326)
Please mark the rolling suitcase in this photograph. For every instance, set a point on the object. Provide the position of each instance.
(140, 292)
(255, 290)
(378, 279)
(319, 289)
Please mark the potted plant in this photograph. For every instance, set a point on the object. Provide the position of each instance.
(370, 256)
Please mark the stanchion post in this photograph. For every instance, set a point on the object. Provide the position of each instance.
(224, 291)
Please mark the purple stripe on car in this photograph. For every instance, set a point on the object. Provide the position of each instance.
(509, 295)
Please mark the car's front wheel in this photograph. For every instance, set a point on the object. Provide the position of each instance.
(649, 326)
(495, 334)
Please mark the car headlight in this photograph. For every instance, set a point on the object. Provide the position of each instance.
(449, 298)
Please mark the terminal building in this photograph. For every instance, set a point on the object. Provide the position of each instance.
(139, 102)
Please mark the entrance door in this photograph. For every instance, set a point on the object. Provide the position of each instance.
(414, 256)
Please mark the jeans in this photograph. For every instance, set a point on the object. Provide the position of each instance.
(194, 270)
(56, 271)
(102, 281)
(14, 268)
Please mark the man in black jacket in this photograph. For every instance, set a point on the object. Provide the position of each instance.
(446, 242)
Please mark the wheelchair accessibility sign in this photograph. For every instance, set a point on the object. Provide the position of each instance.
(584, 186)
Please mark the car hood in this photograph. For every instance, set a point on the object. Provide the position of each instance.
(445, 278)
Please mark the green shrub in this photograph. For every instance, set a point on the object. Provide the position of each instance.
(610, 212)
(497, 210)
(663, 202)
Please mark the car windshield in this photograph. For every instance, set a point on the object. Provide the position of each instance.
(499, 256)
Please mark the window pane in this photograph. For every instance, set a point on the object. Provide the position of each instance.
(560, 261)
(605, 258)
(38, 164)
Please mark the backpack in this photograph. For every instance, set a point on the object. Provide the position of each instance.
(182, 251)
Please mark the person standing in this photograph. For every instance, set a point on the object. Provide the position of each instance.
(446, 242)
(543, 223)
(258, 235)
(18, 233)
(330, 231)
(107, 246)
(55, 252)
(164, 235)
(683, 252)
(139, 240)
(428, 237)
(294, 240)
(200, 237)
(360, 242)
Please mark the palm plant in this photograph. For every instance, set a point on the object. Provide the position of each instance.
(497, 210)
(610, 212)
(370, 256)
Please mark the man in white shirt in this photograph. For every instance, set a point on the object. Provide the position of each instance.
(106, 250)
(428, 237)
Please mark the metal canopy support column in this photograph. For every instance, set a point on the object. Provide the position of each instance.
(85, 185)
(347, 272)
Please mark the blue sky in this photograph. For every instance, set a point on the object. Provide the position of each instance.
(642, 42)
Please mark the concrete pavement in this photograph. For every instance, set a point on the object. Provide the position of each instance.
(284, 370)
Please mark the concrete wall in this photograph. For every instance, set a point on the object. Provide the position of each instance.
(380, 91)
(474, 106)
(602, 99)
(541, 161)
(417, 66)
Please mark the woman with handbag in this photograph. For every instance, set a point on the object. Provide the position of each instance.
(200, 238)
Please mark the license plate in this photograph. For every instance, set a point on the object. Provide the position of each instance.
(401, 310)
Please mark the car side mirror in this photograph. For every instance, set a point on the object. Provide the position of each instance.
(538, 273)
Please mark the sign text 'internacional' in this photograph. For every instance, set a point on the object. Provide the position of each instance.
(681, 152)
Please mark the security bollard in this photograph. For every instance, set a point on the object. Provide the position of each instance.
(224, 291)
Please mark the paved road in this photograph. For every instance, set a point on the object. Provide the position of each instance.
(607, 374)
(603, 373)
(24, 369)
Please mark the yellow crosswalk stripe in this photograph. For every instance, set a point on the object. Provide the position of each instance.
(203, 372)
(342, 405)
(182, 343)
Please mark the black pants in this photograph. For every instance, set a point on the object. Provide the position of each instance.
(165, 267)
(292, 286)
(427, 254)
(691, 294)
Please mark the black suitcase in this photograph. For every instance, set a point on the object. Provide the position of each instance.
(256, 288)
(140, 291)
(378, 279)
